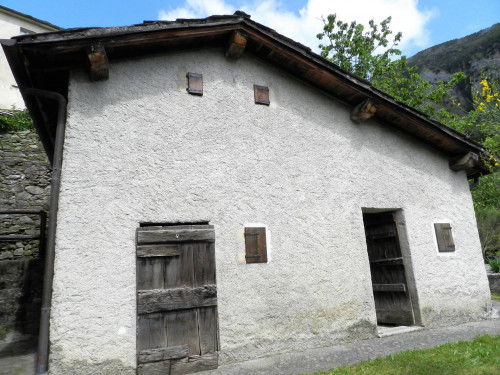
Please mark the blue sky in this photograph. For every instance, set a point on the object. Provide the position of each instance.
(424, 23)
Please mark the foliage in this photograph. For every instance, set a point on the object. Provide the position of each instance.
(488, 223)
(353, 49)
(358, 51)
(495, 297)
(482, 124)
(480, 356)
(495, 264)
(3, 332)
(15, 120)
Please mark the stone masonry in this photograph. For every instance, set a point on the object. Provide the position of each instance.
(24, 185)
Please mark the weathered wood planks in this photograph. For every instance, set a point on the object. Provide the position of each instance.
(469, 160)
(161, 354)
(236, 45)
(195, 364)
(167, 250)
(363, 111)
(174, 235)
(156, 300)
(389, 287)
(154, 368)
(177, 324)
(97, 63)
(392, 301)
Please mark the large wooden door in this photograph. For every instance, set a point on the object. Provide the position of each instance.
(392, 299)
(177, 326)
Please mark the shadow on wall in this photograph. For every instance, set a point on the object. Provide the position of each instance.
(21, 284)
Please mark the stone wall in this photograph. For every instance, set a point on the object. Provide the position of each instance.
(24, 185)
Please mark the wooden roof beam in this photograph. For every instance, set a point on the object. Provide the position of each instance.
(236, 45)
(467, 161)
(97, 63)
(363, 111)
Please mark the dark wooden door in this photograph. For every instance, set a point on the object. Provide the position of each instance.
(177, 326)
(390, 290)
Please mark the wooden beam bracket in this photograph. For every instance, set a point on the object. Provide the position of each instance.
(363, 111)
(467, 161)
(236, 45)
(97, 63)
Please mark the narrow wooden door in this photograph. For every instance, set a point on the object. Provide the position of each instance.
(392, 299)
(177, 326)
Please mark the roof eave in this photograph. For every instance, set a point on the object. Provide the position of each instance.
(152, 37)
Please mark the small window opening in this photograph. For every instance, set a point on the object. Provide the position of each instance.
(255, 245)
(444, 237)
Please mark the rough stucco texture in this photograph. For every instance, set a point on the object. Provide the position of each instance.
(139, 148)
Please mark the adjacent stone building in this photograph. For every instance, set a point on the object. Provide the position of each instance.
(227, 194)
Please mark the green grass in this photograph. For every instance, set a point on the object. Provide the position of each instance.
(478, 357)
(495, 297)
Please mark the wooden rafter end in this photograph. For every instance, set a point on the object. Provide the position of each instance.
(363, 111)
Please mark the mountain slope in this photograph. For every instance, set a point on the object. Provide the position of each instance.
(476, 55)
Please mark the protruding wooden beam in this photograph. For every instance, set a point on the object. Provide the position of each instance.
(363, 111)
(469, 160)
(98, 65)
(236, 45)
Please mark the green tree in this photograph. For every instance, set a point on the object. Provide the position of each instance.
(372, 56)
(482, 124)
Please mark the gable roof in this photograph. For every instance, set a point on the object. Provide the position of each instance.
(43, 61)
(30, 19)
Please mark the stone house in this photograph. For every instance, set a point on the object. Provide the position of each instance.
(225, 194)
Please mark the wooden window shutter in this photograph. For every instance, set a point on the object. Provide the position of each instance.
(255, 245)
(261, 94)
(444, 237)
(195, 83)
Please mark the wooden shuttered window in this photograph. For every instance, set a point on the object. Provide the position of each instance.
(444, 237)
(255, 245)
(261, 94)
(195, 83)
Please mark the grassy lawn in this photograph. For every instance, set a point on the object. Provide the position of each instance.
(478, 357)
(495, 297)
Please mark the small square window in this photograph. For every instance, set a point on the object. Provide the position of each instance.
(444, 237)
(255, 245)
(195, 83)
(261, 94)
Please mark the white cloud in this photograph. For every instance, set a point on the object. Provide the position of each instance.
(197, 9)
(303, 25)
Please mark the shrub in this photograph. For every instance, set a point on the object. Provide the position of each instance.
(15, 120)
(488, 223)
(495, 265)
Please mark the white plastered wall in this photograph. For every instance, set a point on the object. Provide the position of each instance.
(139, 148)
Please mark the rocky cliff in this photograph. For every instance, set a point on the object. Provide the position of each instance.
(476, 55)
